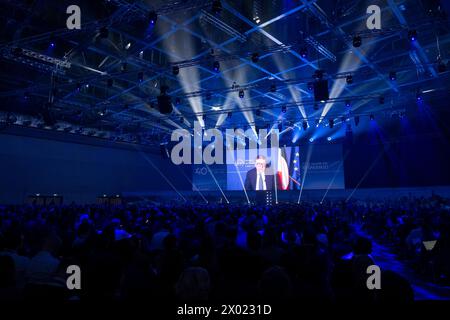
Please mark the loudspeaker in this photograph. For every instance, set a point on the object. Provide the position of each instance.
(164, 104)
(321, 90)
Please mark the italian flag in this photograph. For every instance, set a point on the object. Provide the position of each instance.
(282, 170)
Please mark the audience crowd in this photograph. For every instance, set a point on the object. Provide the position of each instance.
(187, 252)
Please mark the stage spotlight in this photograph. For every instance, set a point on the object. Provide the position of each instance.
(110, 82)
(152, 17)
(103, 32)
(412, 35)
(318, 74)
(175, 70)
(140, 76)
(216, 7)
(357, 41)
(311, 139)
(356, 120)
(348, 104)
(310, 86)
(164, 101)
(393, 75)
(241, 94)
(304, 52)
(321, 91)
(78, 86)
(331, 123)
(229, 114)
(329, 138)
(52, 44)
(419, 96)
(349, 79)
(381, 100)
(124, 67)
(255, 57)
(305, 125)
(372, 117)
(216, 66)
(283, 108)
(177, 100)
(273, 88)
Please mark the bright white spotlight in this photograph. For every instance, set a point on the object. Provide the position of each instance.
(329, 138)
(311, 139)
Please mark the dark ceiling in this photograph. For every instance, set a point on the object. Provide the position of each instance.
(104, 79)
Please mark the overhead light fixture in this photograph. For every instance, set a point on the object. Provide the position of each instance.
(310, 86)
(331, 123)
(357, 41)
(216, 108)
(372, 117)
(304, 52)
(216, 66)
(283, 108)
(241, 94)
(175, 70)
(393, 75)
(348, 104)
(318, 74)
(255, 57)
(140, 76)
(216, 7)
(329, 138)
(349, 79)
(305, 125)
(412, 35)
(419, 96)
(128, 46)
(152, 17)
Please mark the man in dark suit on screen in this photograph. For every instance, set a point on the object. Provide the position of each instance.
(257, 178)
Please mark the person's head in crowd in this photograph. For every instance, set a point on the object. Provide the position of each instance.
(193, 285)
(275, 285)
(7, 271)
(52, 243)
